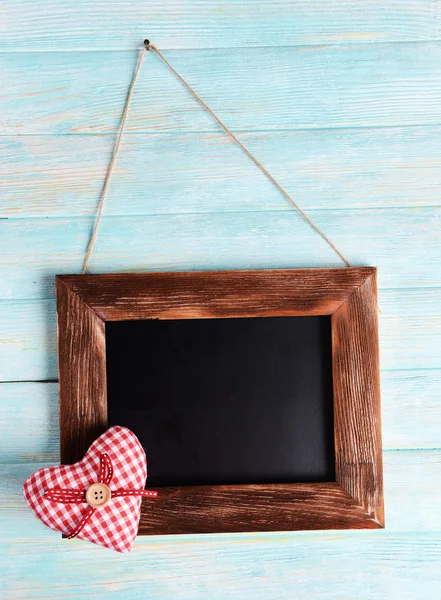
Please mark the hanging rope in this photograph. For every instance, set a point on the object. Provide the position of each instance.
(149, 46)
(92, 242)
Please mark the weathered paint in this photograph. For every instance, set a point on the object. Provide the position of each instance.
(405, 245)
(351, 129)
(361, 85)
(202, 173)
(55, 25)
(396, 566)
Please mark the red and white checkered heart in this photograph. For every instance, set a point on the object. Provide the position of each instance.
(114, 525)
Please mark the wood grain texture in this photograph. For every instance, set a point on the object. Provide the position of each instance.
(357, 413)
(281, 507)
(371, 564)
(218, 241)
(30, 422)
(82, 375)
(195, 173)
(411, 408)
(355, 501)
(271, 89)
(226, 23)
(28, 340)
(216, 294)
(410, 336)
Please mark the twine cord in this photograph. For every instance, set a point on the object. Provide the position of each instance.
(259, 165)
(92, 241)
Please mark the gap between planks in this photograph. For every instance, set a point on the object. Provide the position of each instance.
(328, 44)
(284, 210)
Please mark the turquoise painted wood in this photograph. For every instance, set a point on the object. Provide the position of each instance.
(349, 121)
(53, 24)
(410, 406)
(405, 244)
(29, 418)
(200, 173)
(361, 85)
(385, 565)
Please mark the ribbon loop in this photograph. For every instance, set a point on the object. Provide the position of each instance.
(106, 469)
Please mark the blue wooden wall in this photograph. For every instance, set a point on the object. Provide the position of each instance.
(341, 100)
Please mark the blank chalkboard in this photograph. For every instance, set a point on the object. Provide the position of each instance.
(225, 401)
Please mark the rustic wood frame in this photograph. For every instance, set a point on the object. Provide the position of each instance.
(353, 501)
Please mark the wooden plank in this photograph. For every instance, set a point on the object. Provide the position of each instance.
(30, 420)
(409, 401)
(373, 565)
(405, 245)
(183, 24)
(189, 172)
(410, 324)
(251, 508)
(28, 341)
(411, 408)
(216, 294)
(82, 374)
(357, 411)
(272, 89)
(412, 479)
(410, 336)
(412, 483)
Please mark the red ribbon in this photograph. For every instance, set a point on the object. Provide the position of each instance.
(76, 496)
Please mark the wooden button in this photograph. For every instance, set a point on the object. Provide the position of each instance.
(98, 495)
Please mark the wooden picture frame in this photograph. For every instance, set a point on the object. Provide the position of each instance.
(354, 501)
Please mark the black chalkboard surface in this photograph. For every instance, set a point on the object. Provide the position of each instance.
(225, 401)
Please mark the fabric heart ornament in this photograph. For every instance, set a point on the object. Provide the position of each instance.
(98, 498)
